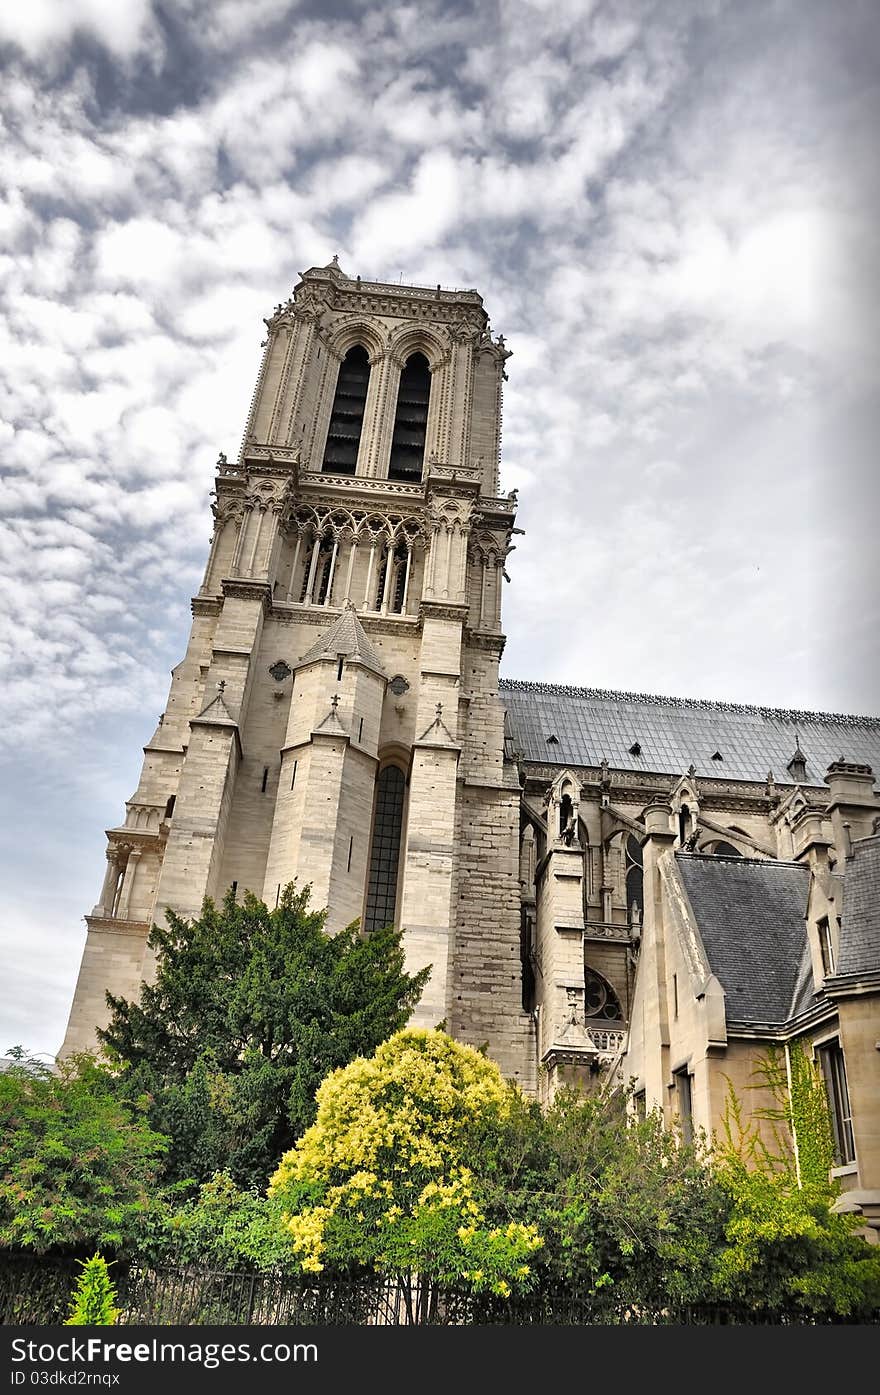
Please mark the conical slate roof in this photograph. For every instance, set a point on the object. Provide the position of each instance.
(346, 637)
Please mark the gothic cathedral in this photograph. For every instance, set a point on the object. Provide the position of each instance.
(605, 885)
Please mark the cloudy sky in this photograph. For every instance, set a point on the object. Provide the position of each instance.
(670, 209)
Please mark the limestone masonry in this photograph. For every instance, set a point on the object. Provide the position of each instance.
(601, 882)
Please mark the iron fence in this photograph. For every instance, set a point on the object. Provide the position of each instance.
(37, 1292)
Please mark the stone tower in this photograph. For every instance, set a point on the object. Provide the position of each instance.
(335, 719)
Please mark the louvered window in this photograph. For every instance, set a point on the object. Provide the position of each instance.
(410, 420)
(347, 417)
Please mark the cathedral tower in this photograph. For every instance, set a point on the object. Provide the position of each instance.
(335, 719)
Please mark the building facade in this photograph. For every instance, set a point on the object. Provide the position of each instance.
(600, 882)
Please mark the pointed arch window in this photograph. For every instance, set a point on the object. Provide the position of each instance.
(347, 417)
(396, 558)
(385, 849)
(321, 577)
(410, 420)
(635, 891)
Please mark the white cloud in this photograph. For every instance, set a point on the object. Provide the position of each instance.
(42, 25)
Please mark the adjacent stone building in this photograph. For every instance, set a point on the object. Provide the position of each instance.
(600, 881)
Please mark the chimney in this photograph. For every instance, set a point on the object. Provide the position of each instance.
(852, 803)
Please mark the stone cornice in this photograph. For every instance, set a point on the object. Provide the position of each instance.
(124, 839)
(206, 605)
(474, 782)
(112, 925)
(313, 481)
(853, 985)
(569, 1056)
(449, 747)
(330, 286)
(441, 478)
(484, 639)
(290, 613)
(444, 610)
(819, 1013)
(242, 588)
(389, 624)
(260, 459)
(502, 507)
(603, 931)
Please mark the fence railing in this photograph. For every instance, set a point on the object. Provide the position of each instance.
(37, 1293)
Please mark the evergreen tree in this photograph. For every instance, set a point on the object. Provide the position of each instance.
(249, 1010)
(94, 1299)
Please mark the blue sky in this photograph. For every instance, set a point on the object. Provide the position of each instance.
(670, 210)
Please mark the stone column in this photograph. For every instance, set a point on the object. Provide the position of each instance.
(379, 410)
(389, 575)
(124, 854)
(403, 603)
(312, 569)
(131, 866)
(367, 597)
(219, 525)
(261, 513)
(239, 542)
(332, 573)
(271, 534)
(292, 583)
(352, 554)
(499, 576)
(111, 880)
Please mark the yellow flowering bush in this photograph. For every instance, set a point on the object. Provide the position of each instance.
(387, 1176)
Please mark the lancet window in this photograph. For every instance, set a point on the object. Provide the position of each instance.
(347, 416)
(410, 420)
(635, 894)
(385, 849)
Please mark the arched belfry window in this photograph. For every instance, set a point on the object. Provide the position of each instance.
(347, 417)
(385, 850)
(410, 420)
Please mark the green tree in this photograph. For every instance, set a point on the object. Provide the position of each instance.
(785, 1245)
(94, 1299)
(249, 1010)
(387, 1177)
(223, 1227)
(77, 1164)
(629, 1214)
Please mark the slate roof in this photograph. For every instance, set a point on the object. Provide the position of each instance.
(673, 733)
(860, 921)
(750, 913)
(347, 637)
